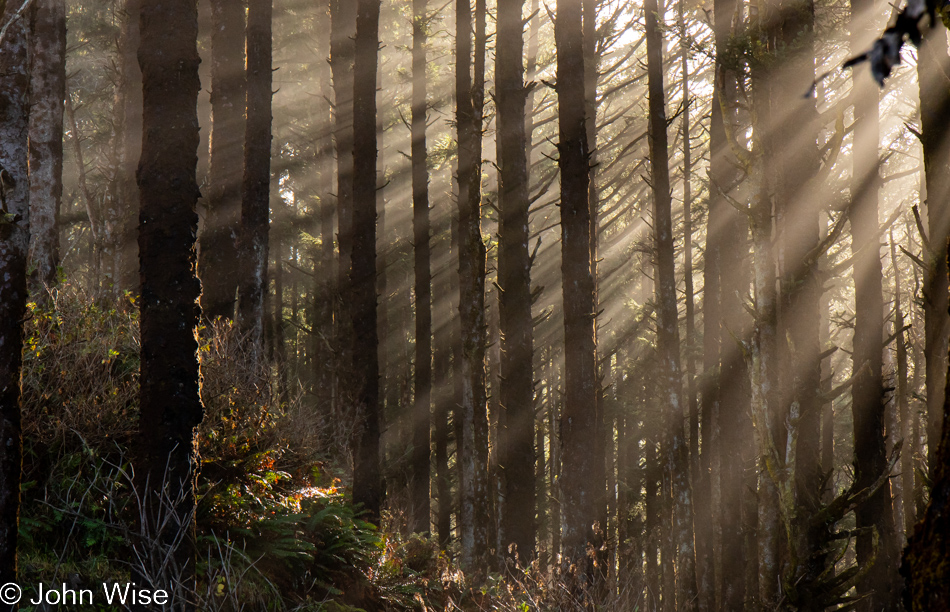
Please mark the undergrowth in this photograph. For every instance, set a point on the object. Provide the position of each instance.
(275, 530)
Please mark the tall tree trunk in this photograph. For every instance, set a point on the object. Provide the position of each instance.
(699, 465)
(514, 281)
(651, 503)
(726, 282)
(876, 544)
(423, 274)
(129, 130)
(797, 204)
(14, 245)
(676, 460)
(48, 93)
(170, 408)
(323, 360)
(217, 242)
(579, 432)
(766, 411)
(925, 566)
(591, 77)
(473, 443)
(932, 69)
(343, 26)
(902, 397)
(367, 481)
(444, 370)
(255, 185)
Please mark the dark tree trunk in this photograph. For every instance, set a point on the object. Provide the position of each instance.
(217, 242)
(255, 184)
(343, 25)
(867, 391)
(444, 377)
(904, 415)
(323, 361)
(589, 9)
(925, 564)
(14, 244)
(367, 481)
(514, 282)
(579, 432)
(934, 108)
(423, 275)
(651, 507)
(48, 92)
(676, 460)
(169, 403)
(473, 443)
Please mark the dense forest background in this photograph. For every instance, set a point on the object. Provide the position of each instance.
(481, 305)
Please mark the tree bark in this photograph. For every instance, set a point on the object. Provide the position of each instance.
(676, 459)
(876, 544)
(343, 26)
(367, 481)
(473, 443)
(925, 564)
(423, 275)
(217, 241)
(14, 244)
(48, 93)
(170, 407)
(514, 281)
(904, 415)
(129, 130)
(932, 68)
(725, 283)
(580, 491)
(255, 184)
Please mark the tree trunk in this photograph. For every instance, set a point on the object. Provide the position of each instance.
(170, 408)
(129, 130)
(700, 483)
(255, 185)
(794, 164)
(423, 274)
(323, 360)
(217, 248)
(514, 281)
(925, 566)
(579, 432)
(367, 481)
(934, 108)
(473, 443)
(14, 244)
(902, 401)
(867, 391)
(343, 26)
(726, 281)
(48, 92)
(767, 414)
(444, 373)
(676, 460)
